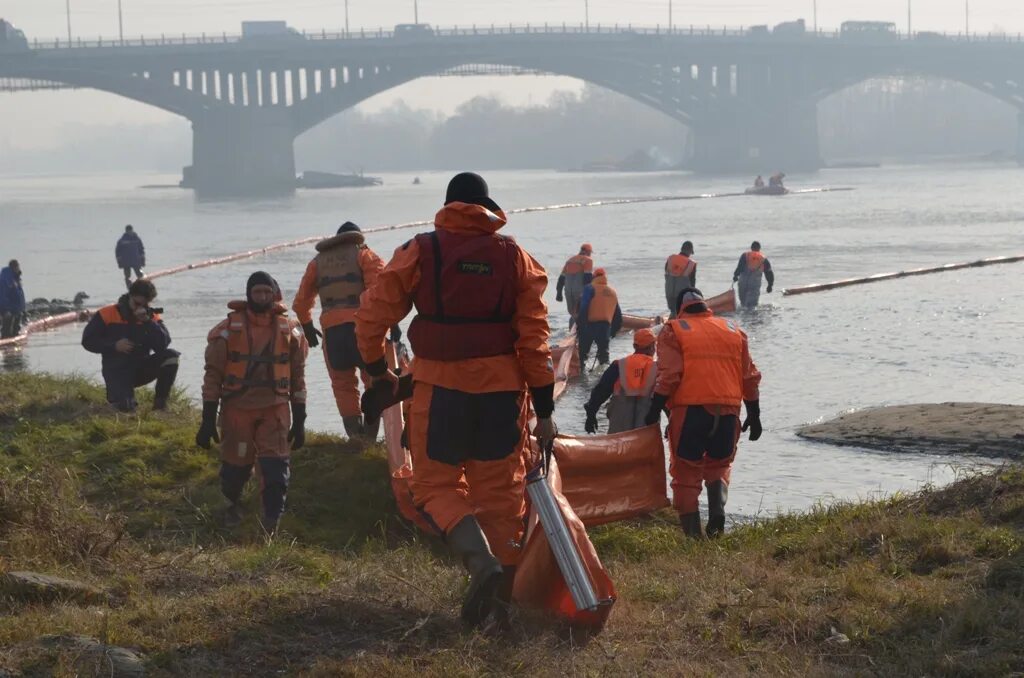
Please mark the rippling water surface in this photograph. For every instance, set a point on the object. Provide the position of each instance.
(952, 336)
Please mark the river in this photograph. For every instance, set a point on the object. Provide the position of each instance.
(951, 336)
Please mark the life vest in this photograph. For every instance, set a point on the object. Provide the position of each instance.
(631, 401)
(242, 362)
(466, 297)
(712, 351)
(755, 262)
(574, 271)
(679, 265)
(637, 374)
(339, 275)
(111, 315)
(603, 305)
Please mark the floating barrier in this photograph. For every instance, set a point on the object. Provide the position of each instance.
(879, 277)
(47, 323)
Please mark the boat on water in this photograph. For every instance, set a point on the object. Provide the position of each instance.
(312, 179)
(767, 190)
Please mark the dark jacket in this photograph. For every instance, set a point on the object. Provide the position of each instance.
(12, 296)
(115, 322)
(130, 252)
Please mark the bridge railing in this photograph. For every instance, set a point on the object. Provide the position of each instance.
(512, 29)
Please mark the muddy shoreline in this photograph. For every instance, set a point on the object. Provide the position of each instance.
(982, 429)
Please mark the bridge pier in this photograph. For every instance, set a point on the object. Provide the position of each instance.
(242, 153)
(772, 138)
(1020, 138)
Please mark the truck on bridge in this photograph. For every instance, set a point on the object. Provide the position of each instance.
(12, 39)
(268, 30)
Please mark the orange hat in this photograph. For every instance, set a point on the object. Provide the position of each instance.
(587, 247)
(600, 272)
(644, 338)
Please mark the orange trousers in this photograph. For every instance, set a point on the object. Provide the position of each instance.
(345, 384)
(469, 458)
(703, 450)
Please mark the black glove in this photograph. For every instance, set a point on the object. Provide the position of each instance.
(591, 425)
(297, 436)
(769, 290)
(404, 439)
(753, 420)
(558, 296)
(208, 428)
(311, 333)
(380, 396)
(657, 405)
(735, 278)
(396, 334)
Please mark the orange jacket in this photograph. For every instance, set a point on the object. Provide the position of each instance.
(391, 299)
(370, 264)
(605, 301)
(250, 334)
(704, 360)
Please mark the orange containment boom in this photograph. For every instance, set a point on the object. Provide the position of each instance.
(539, 583)
(879, 277)
(47, 323)
(613, 477)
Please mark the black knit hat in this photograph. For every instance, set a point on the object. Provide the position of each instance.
(469, 187)
(258, 278)
(349, 227)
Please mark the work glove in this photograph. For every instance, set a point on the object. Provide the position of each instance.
(208, 428)
(735, 278)
(558, 296)
(297, 435)
(591, 426)
(657, 405)
(396, 334)
(753, 420)
(311, 333)
(545, 432)
(769, 290)
(383, 394)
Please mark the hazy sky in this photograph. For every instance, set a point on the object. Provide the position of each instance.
(50, 113)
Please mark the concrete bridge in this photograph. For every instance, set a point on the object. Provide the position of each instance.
(750, 99)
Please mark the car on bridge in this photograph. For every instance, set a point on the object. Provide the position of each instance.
(413, 31)
(12, 39)
(798, 27)
(868, 30)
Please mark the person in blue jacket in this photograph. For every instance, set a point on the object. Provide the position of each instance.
(134, 343)
(12, 300)
(130, 254)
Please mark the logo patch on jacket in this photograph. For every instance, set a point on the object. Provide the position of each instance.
(476, 268)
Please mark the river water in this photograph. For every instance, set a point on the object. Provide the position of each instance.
(952, 336)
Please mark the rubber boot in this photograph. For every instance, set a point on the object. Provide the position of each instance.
(371, 428)
(162, 388)
(232, 516)
(690, 523)
(468, 542)
(718, 493)
(353, 426)
(503, 600)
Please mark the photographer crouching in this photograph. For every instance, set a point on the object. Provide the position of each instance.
(134, 342)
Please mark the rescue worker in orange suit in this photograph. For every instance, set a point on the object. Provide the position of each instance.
(135, 346)
(753, 265)
(255, 369)
(680, 273)
(629, 382)
(704, 373)
(600, 317)
(480, 341)
(342, 270)
(576, 274)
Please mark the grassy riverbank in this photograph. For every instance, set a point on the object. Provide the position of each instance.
(931, 583)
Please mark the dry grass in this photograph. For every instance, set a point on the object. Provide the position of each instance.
(929, 584)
